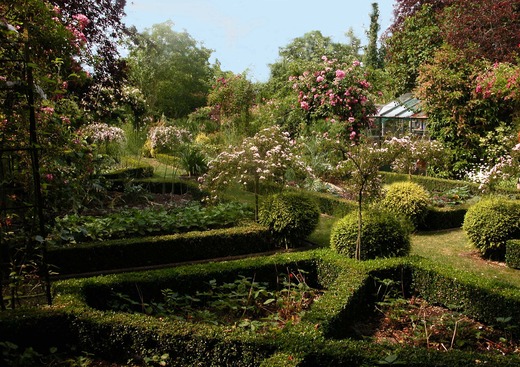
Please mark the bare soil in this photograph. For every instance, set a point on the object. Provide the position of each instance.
(415, 322)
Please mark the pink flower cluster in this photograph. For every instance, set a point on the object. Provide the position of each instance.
(76, 29)
(501, 81)
(337, 92)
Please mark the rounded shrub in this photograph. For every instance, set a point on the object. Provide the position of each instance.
(490, 223)
(383, 234)
(290, 217)
(409, 199)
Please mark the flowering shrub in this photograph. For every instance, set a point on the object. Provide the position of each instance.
(501, 81)
(266, 157)
(167, 139)
(413, 155)
(489, 175)
(340, 93)
(100, 132)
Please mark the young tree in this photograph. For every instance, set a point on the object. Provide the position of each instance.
(361, 166)
(372, 54)
(266, 157)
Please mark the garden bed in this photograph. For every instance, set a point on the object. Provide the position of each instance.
(416, 323)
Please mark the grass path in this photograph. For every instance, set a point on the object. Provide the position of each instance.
(452, 248)
(449, 247)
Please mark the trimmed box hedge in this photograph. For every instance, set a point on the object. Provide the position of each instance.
(443, 218)
(159, 250)
(78, 316)
(440, 184)
(513, 254)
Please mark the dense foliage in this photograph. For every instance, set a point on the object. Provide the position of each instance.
(408, 199)
(171, 69)
(72, 229)
(290, 216)
(490, 223)
(383, 234)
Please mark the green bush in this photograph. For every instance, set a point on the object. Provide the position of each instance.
(513, 254)
(290, 216)
(383, 234)
(408, 199)
(490, 223)
(443, 218)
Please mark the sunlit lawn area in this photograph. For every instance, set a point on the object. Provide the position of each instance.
(448, 247)
(452, 248)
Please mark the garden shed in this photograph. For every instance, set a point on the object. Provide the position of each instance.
(402, 116)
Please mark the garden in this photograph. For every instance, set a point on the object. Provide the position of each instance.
(221, 222)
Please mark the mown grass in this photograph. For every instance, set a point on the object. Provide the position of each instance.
(452, 248)
(449, 247)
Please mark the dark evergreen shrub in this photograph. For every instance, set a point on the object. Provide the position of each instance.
(290, 217)
(490, 223)
(383, 234)
(408, 199)
(513, 254)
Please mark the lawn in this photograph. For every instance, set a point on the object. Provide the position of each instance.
(449, 247)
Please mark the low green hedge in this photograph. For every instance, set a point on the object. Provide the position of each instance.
(320, 339)
(481, 298)
(161, 186)
(135, 169)
(332, 205)
(433, 184)
(443, 218)
(513, 254)
(157, 250)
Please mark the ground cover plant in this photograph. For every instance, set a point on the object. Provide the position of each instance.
(416, 322)
(243, 303)
(129, 223)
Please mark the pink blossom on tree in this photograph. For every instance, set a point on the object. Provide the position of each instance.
(338, 92)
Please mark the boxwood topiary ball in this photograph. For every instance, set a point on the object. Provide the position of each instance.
(290, 216)
(383, 234)
(409, 199)
(490, 223)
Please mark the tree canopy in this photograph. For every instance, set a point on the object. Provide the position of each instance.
(171, 69)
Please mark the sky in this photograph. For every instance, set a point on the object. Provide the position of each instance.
(247, 35)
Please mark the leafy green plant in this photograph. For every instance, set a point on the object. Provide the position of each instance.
(244, 303)
(140, 222)
(193, 160)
